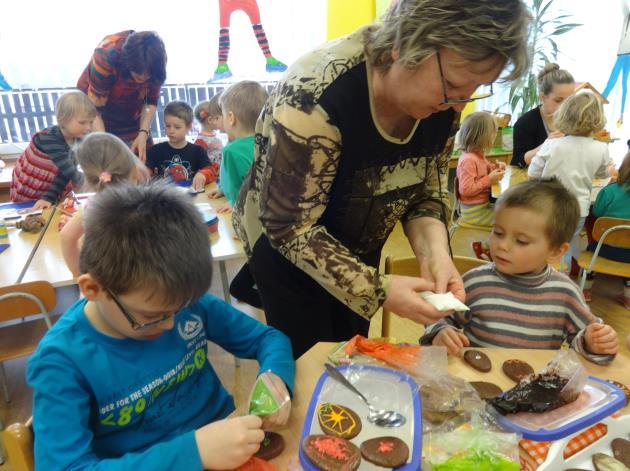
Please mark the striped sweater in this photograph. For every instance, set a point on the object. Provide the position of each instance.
(541, 311)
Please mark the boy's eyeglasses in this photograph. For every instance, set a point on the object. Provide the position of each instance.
(459, 101)
(135, 325)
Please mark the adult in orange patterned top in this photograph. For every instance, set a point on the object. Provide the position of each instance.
(123, 80)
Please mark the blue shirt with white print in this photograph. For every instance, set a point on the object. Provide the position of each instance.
(119, 404)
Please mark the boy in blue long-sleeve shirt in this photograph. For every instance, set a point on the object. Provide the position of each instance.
(122, 381)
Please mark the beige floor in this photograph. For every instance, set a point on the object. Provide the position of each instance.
(240, 380)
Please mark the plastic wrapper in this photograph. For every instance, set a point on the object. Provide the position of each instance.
(558, 384)
(443, 301)
(268, 397)
(412, 359)
(472, 449)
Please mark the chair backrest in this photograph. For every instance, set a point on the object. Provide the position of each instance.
(26, 299)
(18, 443)
(615, 230)
(408, 266)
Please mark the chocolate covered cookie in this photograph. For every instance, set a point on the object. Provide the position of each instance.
(388, 452)
(331, 453)
(486, 390)
(271, 446)
(604, 462)
(621, 450)
(516, 370)
(623, 387)
(338, 420)
(478, 360)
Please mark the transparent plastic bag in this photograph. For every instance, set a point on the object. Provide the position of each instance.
(269, 398)
(411, 359)
(472, 449)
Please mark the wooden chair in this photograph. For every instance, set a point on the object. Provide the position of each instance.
(21, 338)
(18, 443)
(609, 231)
(408, 266)
(456, 213)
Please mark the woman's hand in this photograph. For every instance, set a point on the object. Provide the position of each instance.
(228, 443)
(139, 146)
(452, 339)
(403, 299)
(439, 268)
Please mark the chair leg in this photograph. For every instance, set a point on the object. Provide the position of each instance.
(5, 384)
(583, 274)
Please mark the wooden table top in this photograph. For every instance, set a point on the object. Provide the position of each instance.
(48, 263)
(310, 366)
(513, 175)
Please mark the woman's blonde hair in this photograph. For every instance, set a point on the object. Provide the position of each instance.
(477, 132)
(474, 29)
(580, 115)
(104, 160)
(551, 74)
(73, 104)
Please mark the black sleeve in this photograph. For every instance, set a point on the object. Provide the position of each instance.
(56, 148)
(200, 159)
(527, 136)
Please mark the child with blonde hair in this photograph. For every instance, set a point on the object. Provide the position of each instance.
(208, 114)
(575, 159)
(105, 160)
(46, 170)
(475, 173)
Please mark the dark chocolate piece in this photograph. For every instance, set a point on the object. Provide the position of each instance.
(621, 450)
(388, 452)
(331, 453)
(478, 360)
(339, 421)
(539, 394)
(516, 370)
(271, 446)
(486, 390)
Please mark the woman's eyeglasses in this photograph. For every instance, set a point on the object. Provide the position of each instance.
(135, 325)
(459, 101)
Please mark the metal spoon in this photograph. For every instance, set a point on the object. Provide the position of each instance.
(381, 418)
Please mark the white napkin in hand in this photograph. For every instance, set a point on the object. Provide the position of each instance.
(444, 301)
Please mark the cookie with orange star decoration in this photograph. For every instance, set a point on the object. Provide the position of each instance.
(331, 453)
(338, 421)
(388, 452)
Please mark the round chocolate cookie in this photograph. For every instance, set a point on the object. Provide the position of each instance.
(331, 453)
(516, 370)
(338, 420)
(271, 446)
(604, 462)
(486, 390)
(621, 450)
(388, 452)
(623, 387)
(478, 360)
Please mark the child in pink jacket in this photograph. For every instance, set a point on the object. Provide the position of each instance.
(475, 174)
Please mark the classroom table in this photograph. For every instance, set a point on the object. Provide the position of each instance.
(310, 366)
(48, 263)
(514, 175)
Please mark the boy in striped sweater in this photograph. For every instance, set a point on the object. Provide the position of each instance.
(519, 300)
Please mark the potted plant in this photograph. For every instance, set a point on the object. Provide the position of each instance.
(542, 48)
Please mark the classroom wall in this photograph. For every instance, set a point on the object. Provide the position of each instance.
(345, 16)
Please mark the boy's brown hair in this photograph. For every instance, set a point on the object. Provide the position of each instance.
(147, 237)
(550, 197)
(181, 110)
(246, 100)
